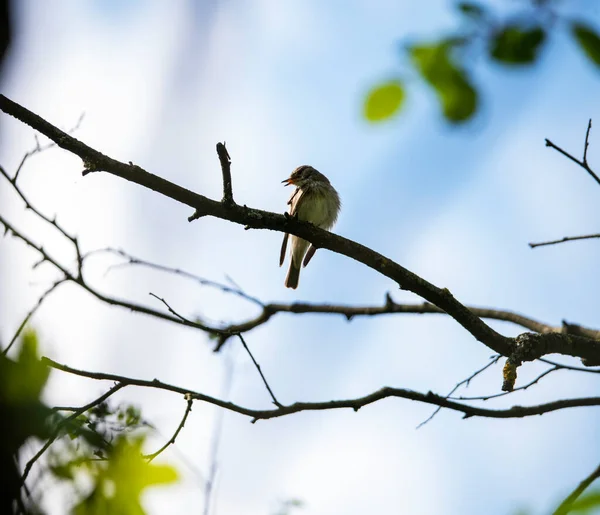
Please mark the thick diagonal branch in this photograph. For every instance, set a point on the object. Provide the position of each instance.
(258, 219)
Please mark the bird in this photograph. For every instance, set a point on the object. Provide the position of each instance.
(316, 201)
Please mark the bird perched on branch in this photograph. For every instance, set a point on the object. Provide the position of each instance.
(316, 201)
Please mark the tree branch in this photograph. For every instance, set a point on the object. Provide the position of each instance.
(171, 441)
(275, 401)
(349, 312)
(258, 219)
(64, 422)
(493, 361)
(30, 314)
(562, 240)
(225, 161)
(583, 163)
(355, 404)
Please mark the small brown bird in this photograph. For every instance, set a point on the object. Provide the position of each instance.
(316, 201)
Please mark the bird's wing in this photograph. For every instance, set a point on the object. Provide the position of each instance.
(283, 249)
(295, 200)
(311, 252)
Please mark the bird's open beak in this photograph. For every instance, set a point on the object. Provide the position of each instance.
(287, 182)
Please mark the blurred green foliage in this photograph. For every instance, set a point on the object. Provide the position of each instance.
(120, 479)
(440, 70)
(588, 503)
(447, 65)
(384, 100)
(102, 445)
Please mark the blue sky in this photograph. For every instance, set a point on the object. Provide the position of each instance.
(282, 83)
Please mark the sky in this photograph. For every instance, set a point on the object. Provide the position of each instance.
(283, 84)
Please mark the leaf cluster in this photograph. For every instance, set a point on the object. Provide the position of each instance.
(446, 65)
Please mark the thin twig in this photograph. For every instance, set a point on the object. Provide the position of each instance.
(562, 240)
(171, 310)
(171, 441)
(587, 142)
(132, 260)
(566, 505)
(354, 404)
(68, 276)
(493, 360)
(502, 394)
(225, 161)
(31, 313)
(391, 307)
(275, 401)
(583, 163)
(41, 148)
(571, 367)
(52, 222)
(215, 443)
(64, 422)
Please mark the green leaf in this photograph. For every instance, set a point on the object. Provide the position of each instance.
(121, 480)
(587, 503)
(450, 82)
(471, 9)
(27, 379)
(21, 384)
(588, 40)
(517, 45)
(384, 101)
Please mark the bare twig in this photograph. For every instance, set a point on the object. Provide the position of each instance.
(275, 401)
(493, 361)
(566, 505)
(587, 142)
(225, 161)
(171, 441)
(502, 394)
(64, 422)
(215, 443)
(131, 260)
(171, 310)
(41, 148)
(583, 163)
(562, 240)
(391, 307)
(31, 313)
(354, 404)
(571, 367)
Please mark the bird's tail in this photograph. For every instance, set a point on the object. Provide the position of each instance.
(299, 247)
(293, 275)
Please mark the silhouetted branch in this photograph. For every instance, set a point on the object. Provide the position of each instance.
(258, 219)
(562, 240)
(275, 401)
(41, 299)
(171, 441)
(493, 361)
(583, 163)
(63, 423)
(502, 394)
(525, 347)
(570, 367)
(225, 161)
(355, 404)
(131, 260)
(566, 505)
(349, 312)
